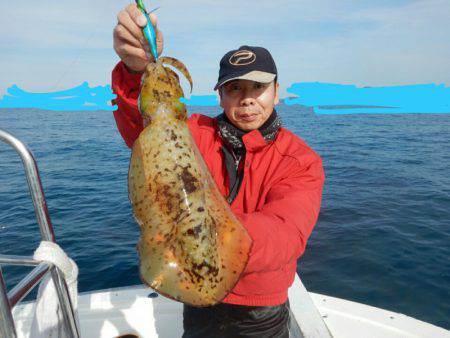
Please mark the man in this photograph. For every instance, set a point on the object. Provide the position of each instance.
(271, 178)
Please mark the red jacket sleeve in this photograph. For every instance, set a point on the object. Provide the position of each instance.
(281, 228)
(128, 119)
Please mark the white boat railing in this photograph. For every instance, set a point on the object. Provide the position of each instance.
(9, 300)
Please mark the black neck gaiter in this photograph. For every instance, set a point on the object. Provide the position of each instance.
(233, 135)
(234, 150)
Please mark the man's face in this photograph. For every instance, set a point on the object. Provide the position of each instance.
(248, 104)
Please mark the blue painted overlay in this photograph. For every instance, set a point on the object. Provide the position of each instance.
(325, 98)
(201, 100)
(328, 98)
(78, 98)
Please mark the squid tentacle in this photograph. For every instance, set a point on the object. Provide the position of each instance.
(177, 65)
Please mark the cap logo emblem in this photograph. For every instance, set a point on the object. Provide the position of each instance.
(242, 58)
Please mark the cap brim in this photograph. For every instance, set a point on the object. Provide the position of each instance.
(255, 75)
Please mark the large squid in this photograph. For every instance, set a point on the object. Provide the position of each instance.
(192, 248)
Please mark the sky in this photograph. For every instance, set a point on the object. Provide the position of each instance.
(56, 45)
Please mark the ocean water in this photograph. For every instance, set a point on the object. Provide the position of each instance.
(383, 234)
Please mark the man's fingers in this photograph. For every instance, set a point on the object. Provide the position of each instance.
(123, 34)
(129, 41)
(139, 18)
(136, 15)
(153, 19)
(129, 52)
(159, 41)
(125, 20)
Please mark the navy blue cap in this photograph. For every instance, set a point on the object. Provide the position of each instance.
(247, 63)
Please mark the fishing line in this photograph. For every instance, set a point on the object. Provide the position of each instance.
(153, 10)
(76, 59)
(89, 38)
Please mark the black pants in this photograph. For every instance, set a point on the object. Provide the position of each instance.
(233, 321)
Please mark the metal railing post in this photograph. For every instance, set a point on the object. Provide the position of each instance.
(34, 184)
(7, 328)
(46, 228)
(70, 320)
(23, 288)
(18, 260)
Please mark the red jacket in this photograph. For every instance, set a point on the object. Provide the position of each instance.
(278, 201)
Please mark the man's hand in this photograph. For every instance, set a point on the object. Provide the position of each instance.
(129, 41)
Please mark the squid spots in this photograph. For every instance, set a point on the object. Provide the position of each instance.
(166, 198)
(173, 136)
(190, 182)
(195, 231)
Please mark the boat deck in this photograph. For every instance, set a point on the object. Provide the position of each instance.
(110, 313)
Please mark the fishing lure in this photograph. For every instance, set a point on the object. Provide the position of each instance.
(148, 30)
